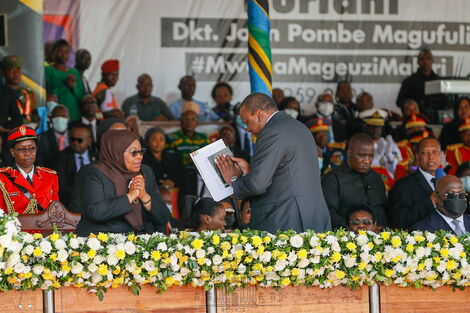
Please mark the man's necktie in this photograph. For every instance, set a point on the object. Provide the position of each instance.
(247, 144)
(61, 140)
(457, 229)
(30, 181)
(81, 162)
(433, 181)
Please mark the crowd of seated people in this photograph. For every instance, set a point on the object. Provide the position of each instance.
(93, 158)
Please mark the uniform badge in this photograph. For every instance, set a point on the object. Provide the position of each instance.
(22, 130)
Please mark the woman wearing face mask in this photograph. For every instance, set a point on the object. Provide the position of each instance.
(450, 200)
(119, 193)
(292, 107)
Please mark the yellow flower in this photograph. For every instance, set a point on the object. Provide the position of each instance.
(216, 239)
(419, 238)
(169, 281)
(420, 266)
(444, 253)
(295, 272)
(285, 281)
(156, 255)
(225, 245)
(74, 253)
(256, 241)
(37, 236)
(429, 245)
(385, 235)
(456, 276)
(91, 254)
(131, 237)
(283, 256)
(283, 236)
(37, 251)
(235, 240)
(378, 256)
(201, 261)
(239, 253)
(46, 274)
(302, 254)
(388, 273)
(197, 243)
(397, 258)
(54, 237)
(431, 277)
(102, 237)
(451, 264)
(12, 280)
(120, 254)
(117, 270)
(153, 273)
(224, 254)
(409, 247)
(319, 249)
(371, 245)
(25, 258)
(362, 232)
(267, 239)
(463, 255)
(437, 260)
(260, 250)
(66, 267)
(454, 240)
(248, 259)
(351, 246)
(53, 257)
(340, 274)
(335, 257)
(396, 241)
(275, 254)
(361, 266)
(257, 267)
(103, 270)
(243, 239)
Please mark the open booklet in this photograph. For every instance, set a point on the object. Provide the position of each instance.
(204, 159)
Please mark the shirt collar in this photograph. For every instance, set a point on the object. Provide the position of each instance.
(87, 122)
(427, 176)
(25, 175)
(450, 219)
(269, 118)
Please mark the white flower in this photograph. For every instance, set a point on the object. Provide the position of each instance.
(272, 276)
(185, 271)
(430, 236)
(45, 246)
(98, 259)
(217, 259)
(28, 250)
(314, 241)
(149, 266)
(94, 244)
(60, 244)
(20, 268)
(241, 269)
(92, 267)
(303, 263)
(129, 247)
(38, 269)
(11, 228)
(84, 257)
(200, 253)
(292, 257)
(5, 240)
(280, 265)
(77, 268)
(162, 246)
(62, 255)
(15, 246)
(265, 257)
(112, 259)
(296, 241)
(362, 240)
(27, 238)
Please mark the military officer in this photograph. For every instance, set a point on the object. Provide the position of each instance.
(26, 188)
(458, 153)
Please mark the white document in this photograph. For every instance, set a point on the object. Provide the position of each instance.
(205, 164)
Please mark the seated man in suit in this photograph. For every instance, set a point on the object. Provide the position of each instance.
(354, 183)
(409, 201)
(56, 138)
(450, 200)
(70, 160)
(227, 134)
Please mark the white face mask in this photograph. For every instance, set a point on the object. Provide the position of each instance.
(292, 112)
(466, 183)
(60, 124)
(50, 106)
(326, 108)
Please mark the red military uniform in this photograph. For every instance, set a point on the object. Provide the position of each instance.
(455, 155)
(19, 196)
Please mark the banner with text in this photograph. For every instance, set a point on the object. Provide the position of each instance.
(315, 43)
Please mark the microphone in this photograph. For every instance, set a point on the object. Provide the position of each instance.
(440, 173)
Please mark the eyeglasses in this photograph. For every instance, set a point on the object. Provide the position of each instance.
(453, 195)
(358, 222)
(25, 150)
(79, 140)
(134, 153)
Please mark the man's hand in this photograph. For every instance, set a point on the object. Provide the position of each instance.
(242, 164)
(228, 168)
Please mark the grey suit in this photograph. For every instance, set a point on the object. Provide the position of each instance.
(284, 179)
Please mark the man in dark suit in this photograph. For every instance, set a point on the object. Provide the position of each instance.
(55, 139)
(243, 138)
(409, 201)
(354, 183)
(283, 177)
(450, 200)
(227, 134)
(70, 160)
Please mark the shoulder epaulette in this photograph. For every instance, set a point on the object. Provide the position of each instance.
(340, 145)
(47, 170)
(6, 169)
(403, 143)
(454, 146)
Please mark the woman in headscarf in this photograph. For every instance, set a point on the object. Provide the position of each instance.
(119, 194)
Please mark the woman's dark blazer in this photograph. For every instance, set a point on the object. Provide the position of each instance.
(102, 211)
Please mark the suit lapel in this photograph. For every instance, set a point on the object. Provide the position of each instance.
(423, 182)
(21, 181)
(71, 166)
(439, 223)
(466, 222)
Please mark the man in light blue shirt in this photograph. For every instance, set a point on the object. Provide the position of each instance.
(187, 86)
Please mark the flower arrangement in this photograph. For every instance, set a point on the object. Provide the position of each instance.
(208, 259)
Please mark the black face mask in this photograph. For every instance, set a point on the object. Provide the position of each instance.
(455, 206)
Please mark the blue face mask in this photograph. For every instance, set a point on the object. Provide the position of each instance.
(466, 183)
(240, 123)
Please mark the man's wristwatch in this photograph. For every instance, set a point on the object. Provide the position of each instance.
(233, 179)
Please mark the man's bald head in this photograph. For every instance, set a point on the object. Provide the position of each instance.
(359, 140)
(449, 197)
(448, 182)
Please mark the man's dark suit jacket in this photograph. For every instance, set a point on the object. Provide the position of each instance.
(435, 222)
(66, 170)
(409, 201)
(48, 148)
(284, 179)
(103, 211)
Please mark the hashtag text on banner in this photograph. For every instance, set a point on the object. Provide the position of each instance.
(259, 50)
